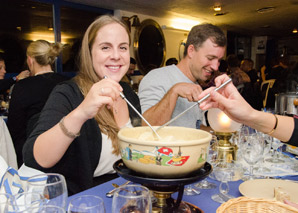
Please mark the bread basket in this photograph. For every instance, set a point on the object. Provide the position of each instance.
(254, 205)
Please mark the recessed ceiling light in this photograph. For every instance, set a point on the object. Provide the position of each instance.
(266, 9)
(295, 31)
(220, 14)
(217, 8)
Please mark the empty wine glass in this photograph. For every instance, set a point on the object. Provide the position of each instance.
(267, 147)
(87, 204)
(52, 186)
(5, 200)
(225, 171)
(23, 202)
(47, 209)
(132, 198)
(212, 155)
(252, 151)
(275, 145)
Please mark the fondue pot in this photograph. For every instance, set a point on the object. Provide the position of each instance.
(286, 103)
(179, 152)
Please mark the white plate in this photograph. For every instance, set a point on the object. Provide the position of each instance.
(264, 188)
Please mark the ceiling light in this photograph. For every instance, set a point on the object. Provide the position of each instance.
(217, 8)
(183, 24)
(220, 14)
(295, 30)
(266, 9)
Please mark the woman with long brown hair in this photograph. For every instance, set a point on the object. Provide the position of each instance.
(77, 130)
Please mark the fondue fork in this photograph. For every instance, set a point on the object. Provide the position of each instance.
(197, 103)
(139, 114)
(111, 193)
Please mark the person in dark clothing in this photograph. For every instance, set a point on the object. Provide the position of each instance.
(76, 134)
(247, 65)
(29, 95)
(5, 84)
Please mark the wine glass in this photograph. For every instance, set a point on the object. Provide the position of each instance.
(252, 151)
(5, 200)
(225, 171)
(212, 155)
(275, 145)
(23, 202)
(52, 186)
(46, 209)
(132, 198)
(267, 147)
(87, 204)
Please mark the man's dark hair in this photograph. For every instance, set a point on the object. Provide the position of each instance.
(200, 33)
(133, 61)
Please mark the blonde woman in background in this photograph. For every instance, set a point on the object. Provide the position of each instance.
(30, 95)
(76, 134)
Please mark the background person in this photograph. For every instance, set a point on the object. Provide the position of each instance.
(76, 134)
(165, 92)
(5, 84)
(30, 95)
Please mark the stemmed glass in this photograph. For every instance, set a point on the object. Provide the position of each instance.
(5, 200)
(24, 202)
(52, 186)
(225, 171)
(212, 155)
(87, 204)
(132, 198)
(252, 151)
(275, 145)
(267, 147)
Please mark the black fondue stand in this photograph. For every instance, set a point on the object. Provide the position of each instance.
(164, 188)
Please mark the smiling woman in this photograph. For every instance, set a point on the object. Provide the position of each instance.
(86, 147)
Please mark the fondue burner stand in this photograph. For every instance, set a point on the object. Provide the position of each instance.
(226, 151)
(163, 188)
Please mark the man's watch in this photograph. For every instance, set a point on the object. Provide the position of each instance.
(15, 78)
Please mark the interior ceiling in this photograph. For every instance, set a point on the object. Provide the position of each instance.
(240, 15)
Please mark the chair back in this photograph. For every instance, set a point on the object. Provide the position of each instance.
(269, 84)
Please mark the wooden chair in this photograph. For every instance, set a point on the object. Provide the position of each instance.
(269, 84)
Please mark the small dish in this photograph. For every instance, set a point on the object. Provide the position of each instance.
(264, 188)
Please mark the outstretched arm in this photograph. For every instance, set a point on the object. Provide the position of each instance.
(229, 100)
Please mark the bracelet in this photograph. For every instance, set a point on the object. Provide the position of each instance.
(274, 128)
(65, 130)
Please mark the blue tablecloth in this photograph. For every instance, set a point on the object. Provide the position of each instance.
(203, 201)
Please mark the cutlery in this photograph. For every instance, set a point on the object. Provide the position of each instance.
(111, 193)
(198, 102)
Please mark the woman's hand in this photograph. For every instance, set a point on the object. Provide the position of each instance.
(228, 99)
(102, 93)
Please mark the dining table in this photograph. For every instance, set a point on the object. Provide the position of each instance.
(202, 200)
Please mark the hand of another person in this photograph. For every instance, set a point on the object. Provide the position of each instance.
(291, 203)
(228, 99)
(23, 74)
(187, 90)
(102, 93)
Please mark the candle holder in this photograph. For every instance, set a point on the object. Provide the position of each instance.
(223, 127)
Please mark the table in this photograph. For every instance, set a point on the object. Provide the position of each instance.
(203, 200)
